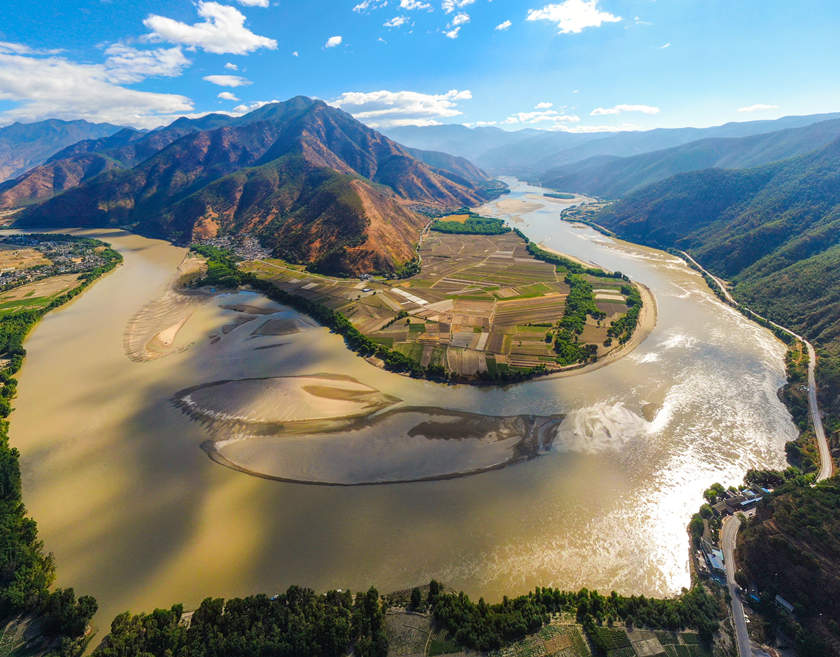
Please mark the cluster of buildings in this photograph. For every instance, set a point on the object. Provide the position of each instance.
(65, 257)
(245, 247)
(737, 502)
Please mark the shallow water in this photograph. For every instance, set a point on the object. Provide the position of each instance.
(139, 516)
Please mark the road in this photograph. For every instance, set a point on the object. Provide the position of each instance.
(728, 538)
(731, 525)
(826, 465)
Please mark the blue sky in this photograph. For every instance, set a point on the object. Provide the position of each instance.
(577, 65)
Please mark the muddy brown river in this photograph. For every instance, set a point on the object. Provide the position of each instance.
(118, 475)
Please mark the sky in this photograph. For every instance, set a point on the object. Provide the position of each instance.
(576, 65)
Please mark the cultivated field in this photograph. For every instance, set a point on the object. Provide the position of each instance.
(479, 303)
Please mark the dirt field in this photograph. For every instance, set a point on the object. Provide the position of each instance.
(480, 302)
(37, 294)
(13, 257)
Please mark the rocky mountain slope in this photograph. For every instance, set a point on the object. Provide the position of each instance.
(310, 180)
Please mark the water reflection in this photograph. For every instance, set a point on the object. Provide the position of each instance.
(137, 515)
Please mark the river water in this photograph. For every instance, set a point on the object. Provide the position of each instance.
(140, 517)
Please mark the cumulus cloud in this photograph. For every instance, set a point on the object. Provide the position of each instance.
(449, 6)
(396, 21)
(222, 31)
(227, 80)
(382, 109)
(333, 41)
(231, 67)
(543, 106)
(56, 87)
(126, 64)
(453, 33)
(253, 3)
(620, 109)
(665, 45)
(758, 108)
(226, 95)
(573, 16)
(501, 27)
(481, 124)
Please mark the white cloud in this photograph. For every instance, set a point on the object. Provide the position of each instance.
(245, 108)
(55, 87)
(227, 80)
(231, 67)
(481, 124)
(449, 6)
(573, 16)
(453, 34)
(369, 5)
(501, 27)
(222, 31)
(396, 21)
(624, 127)
(393, 108)
(333, 41)
(543, 106)
(295, 53)
(253, 3)
(126, 64)
(758, 108)
(414, 4)
(619, 109)
(459, 19)
(22, 49)
(542, 116)
(665, 45)
(226, 95)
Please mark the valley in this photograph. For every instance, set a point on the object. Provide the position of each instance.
(632, 444)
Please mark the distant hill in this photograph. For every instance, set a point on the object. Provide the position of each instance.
(613, 177)
(459, 140)
(773, 230)
(531, 153)
(459, 166)
(311, 181)
(24, 145)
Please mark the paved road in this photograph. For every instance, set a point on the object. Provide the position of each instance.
(826, 465)
(728, 537)
(731, 525)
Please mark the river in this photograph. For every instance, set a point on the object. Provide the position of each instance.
(138, 515)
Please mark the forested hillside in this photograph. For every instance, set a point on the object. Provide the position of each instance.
(614, 177)
(792, 548)
(773, 231)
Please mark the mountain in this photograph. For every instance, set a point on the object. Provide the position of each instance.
(774, 231)
(24, 145)
(531, 153)
(459, 140)
(311, 181)
(613, 177)
(459, 166)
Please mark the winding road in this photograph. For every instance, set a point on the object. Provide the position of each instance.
(731, 524)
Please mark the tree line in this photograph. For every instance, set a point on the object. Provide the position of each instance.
(297, 622)
(27, 572)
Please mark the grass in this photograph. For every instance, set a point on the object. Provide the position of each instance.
(412, 350)
(442, 646)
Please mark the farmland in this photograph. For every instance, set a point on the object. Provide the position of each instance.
(481, 306)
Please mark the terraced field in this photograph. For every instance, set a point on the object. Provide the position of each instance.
(481, 303)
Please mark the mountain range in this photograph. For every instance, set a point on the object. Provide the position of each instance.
(312, 182)
(609, 176)
(530, 154)
(24, 145)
